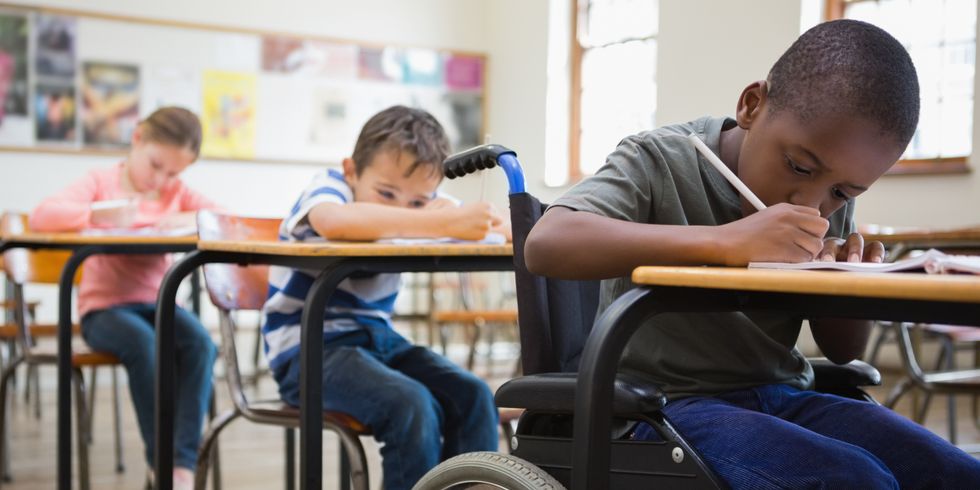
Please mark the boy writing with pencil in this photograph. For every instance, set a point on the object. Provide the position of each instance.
(421, 406)
(836, 111)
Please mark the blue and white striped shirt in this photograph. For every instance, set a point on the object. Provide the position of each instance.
(371, 297)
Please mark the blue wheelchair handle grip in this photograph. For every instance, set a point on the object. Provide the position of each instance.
(486, 157)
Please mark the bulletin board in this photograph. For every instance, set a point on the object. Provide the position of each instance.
(79, 82)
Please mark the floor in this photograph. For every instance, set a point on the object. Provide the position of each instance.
(251, 455)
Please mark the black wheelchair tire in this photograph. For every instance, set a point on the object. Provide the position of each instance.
(495, 469)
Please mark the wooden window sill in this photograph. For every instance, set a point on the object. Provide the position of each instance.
(931, 166)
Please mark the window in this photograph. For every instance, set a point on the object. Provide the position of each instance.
(940, 36)
(613, 80)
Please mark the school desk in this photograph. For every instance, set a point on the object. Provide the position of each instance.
(902, 240)
(83, 246)
(336, 261)
(874, 296)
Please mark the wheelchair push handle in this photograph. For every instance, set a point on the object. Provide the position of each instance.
(485, 157)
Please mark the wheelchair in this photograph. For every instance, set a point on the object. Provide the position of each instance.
(555, 318)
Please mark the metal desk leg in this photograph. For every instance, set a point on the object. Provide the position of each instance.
(311, 375)
(165, 385)
(65, 285)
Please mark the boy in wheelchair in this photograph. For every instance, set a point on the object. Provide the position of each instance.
(835, 112)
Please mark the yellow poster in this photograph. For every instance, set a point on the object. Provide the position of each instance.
(228, 114)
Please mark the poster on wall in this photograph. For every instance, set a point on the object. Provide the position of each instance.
(464, 72)
(460, 113)
(381, 64)
(228, 114)
(422, 67)
(170, 86)
(54, 113)
(284, 54)
(55, 46)
(110, 103)
(15, 126)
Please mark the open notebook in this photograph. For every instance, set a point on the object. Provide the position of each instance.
(142, 231)
(932, 261)
(492, 238)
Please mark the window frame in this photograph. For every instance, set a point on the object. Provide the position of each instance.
(577, 54)
(833, 10)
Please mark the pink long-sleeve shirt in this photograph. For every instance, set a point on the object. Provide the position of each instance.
(110, 280)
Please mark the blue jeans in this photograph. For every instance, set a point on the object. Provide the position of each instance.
(776, 436)
(421, 406)
(127, 332)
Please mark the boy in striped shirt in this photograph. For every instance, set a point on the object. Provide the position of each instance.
(419, 405)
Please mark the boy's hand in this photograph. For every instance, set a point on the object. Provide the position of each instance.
(780, 233)
(471, 221)
(440, 203)
(853, 249)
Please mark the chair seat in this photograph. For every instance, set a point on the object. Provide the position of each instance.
(289, 415)
(555, 392)
(471, 316)
(855, 373)
(966, 380)
(956, 333)
(81, 355)
(9, 331)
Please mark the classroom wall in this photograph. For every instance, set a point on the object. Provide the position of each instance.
(447, 24)
(708, 50)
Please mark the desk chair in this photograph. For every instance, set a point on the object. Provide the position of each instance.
(470, 311)
(946, 380)
(44, 267)
(236, 288)
(555, 318)
(901, 243)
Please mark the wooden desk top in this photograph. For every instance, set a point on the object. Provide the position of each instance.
(891, 235)
(914, 286)
(92, 239)
(355, 249)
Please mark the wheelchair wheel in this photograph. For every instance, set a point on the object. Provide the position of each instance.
(485, 471)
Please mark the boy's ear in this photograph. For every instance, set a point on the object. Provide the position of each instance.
(350, 170)
(751, 103)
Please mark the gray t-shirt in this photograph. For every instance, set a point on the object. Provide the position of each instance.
(657, 177)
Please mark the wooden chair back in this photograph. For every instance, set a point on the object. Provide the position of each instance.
(24, 266)
(233, 287)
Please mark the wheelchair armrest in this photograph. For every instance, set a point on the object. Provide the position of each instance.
(555, 392)
(830, 377)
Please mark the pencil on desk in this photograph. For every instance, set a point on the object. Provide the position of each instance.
(726, 172)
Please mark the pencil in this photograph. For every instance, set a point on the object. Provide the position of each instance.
(717, 163)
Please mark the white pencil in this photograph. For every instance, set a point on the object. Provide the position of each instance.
(735, 181)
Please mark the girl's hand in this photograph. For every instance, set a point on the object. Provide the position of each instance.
(179, 220)
(118, 213)
(853, 249)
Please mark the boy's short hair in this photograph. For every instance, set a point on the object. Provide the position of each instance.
(852, 67)
(402, 128)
